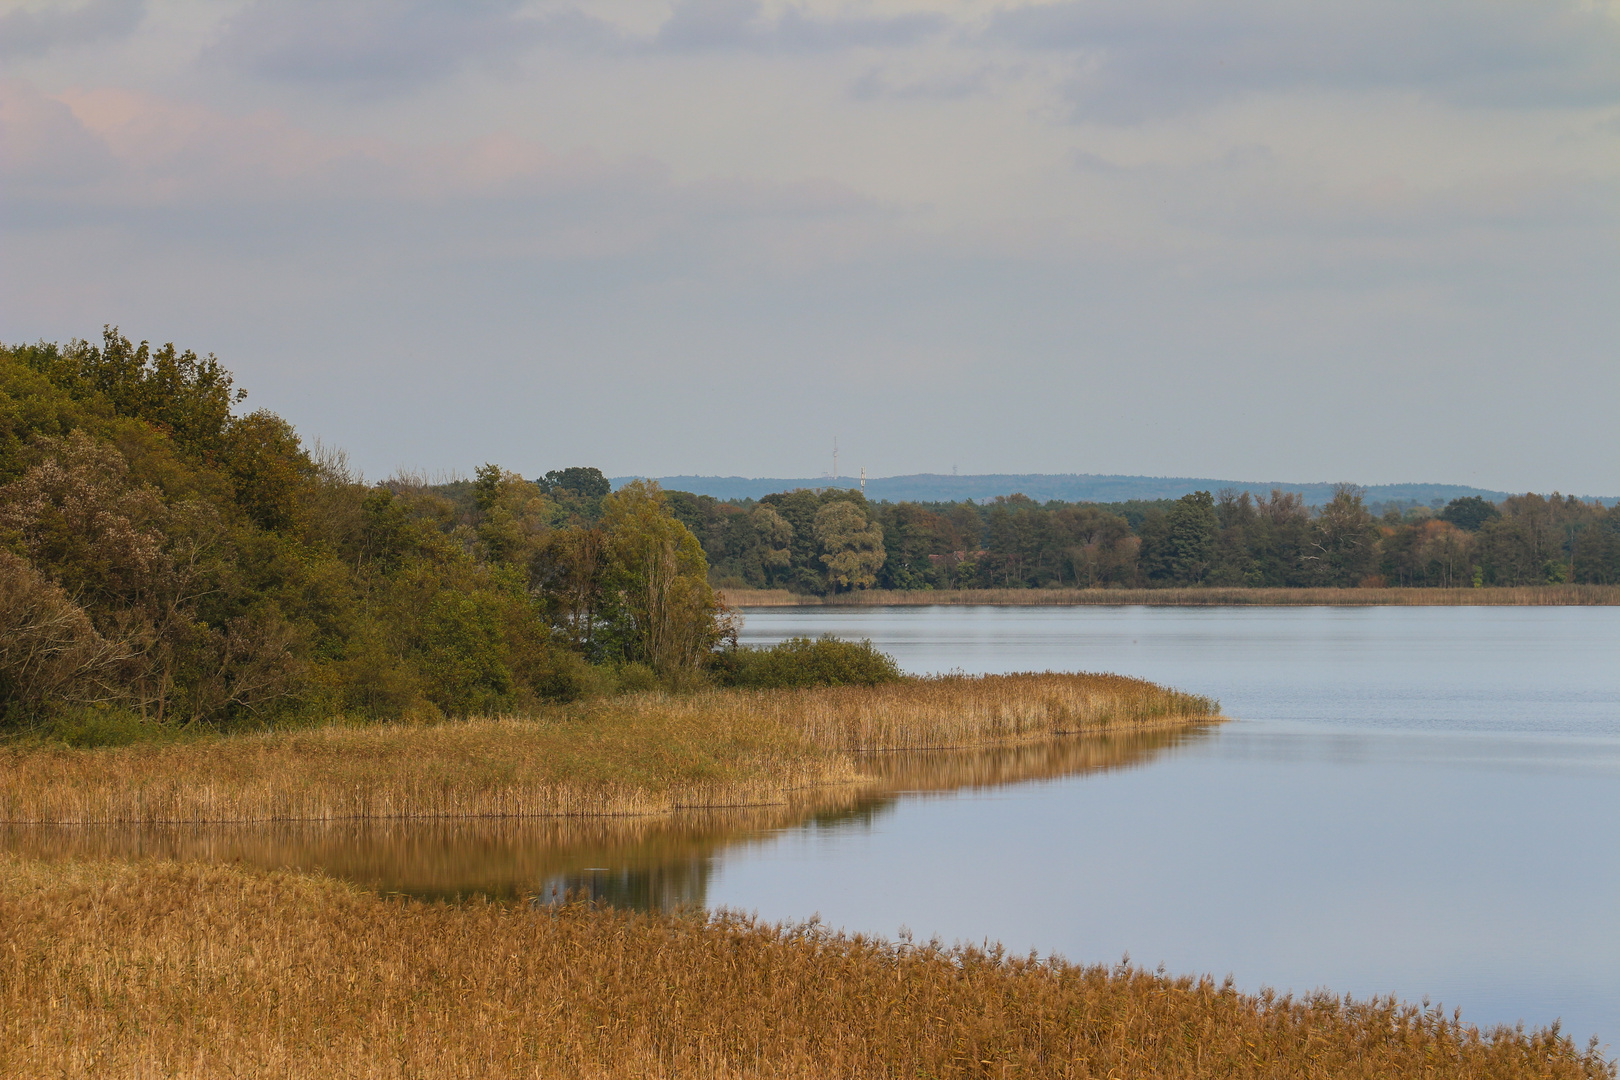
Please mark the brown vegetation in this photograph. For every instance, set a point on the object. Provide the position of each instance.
(161, 969)
(639, 754)
(1202, 596)
(657, 860)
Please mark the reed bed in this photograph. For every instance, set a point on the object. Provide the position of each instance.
(623, 760)
(646, 754)
(177, 970)
(506, 857)
(1504, 596)
(960, 710)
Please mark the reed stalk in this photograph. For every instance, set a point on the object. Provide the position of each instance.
(188, 970)
(644, 754)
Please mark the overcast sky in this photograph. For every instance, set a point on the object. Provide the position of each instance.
(1368, 240)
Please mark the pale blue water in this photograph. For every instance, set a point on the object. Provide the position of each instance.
(1418, 801)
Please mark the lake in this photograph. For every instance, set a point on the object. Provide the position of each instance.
(1414, 801)
(1417, 801)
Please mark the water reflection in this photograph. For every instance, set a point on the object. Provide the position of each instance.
(642, 863)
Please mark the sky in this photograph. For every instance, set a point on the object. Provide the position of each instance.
(1304, 240)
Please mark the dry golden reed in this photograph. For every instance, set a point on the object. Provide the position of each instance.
(508, 857)
(961, 710)
(1213, 596)
(646, 754)
(174, 970)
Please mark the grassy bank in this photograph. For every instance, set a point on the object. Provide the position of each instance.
(642, 754)
(1518, 596)
(164, 969)
(658, 860)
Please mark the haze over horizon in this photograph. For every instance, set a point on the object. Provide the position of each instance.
(1373, 240)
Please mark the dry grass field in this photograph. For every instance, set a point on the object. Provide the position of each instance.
(645, 754)
(157, 969)
(1518, 596)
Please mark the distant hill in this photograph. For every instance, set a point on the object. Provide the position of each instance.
(1068, 487)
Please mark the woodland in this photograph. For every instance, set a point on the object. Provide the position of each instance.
(170, 558)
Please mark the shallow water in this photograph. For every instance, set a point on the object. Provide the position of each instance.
(1418, 801)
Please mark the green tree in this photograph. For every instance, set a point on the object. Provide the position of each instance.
(775, 539)
(851, 546)
(1191, 528)
(578, 480)
(1344, 539)
(661, 609)
(1469, 513)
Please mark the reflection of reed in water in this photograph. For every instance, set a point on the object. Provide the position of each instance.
(952, 770)
(646, 863)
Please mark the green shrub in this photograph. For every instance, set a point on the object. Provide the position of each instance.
(89, 727)
(800, 662)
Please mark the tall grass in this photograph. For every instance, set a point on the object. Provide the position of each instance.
(506, 857)
(1504, 596)
(959, 710)
(642, 754)
(174, 970)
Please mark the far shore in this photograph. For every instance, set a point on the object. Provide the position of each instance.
(1507, 596)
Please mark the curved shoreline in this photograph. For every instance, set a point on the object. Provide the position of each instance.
(641, 755)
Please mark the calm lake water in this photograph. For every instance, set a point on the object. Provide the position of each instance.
(1417, 801)
(1413, 801)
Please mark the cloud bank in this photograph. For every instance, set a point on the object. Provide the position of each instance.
(1374, 240)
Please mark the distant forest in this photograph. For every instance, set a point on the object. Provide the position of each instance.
(830, 540)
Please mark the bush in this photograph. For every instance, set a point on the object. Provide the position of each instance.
(89, 727)
(799, 662)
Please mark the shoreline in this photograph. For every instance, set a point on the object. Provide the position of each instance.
(1213, 596)
(650, 754)
(161, 968)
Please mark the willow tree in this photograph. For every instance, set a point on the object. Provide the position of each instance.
(851, 546)
(657, 583)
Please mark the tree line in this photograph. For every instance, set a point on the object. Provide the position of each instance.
(820, 542)
(167, 556)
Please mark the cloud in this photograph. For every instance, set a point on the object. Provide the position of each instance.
(29, 32)
(184, 173)
(44, 148)
(716, 25)
(381, 45)
(371, 42)
(1137, 58)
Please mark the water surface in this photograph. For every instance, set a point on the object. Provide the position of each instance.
(1419, 801)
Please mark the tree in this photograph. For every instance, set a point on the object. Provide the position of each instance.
(1469, 513)
(1344, 545)
(656, 587)
(578, 480)
(269, 468)
(851, 547)
(49, 649)
(1192, 526)
(775, 538)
